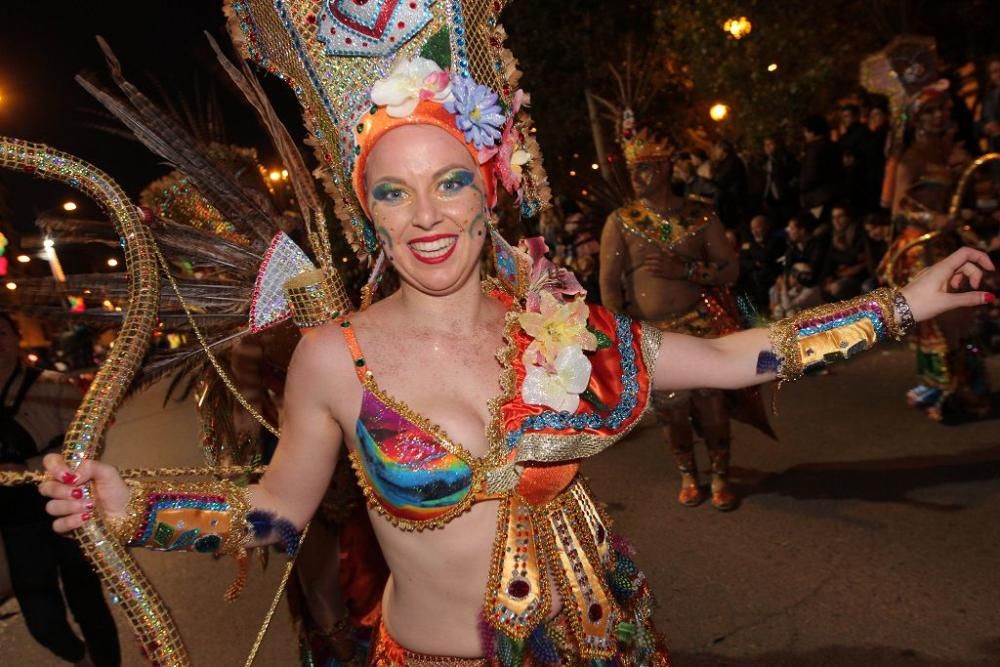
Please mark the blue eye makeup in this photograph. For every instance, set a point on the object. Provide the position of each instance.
(387, 192)
(456, 179)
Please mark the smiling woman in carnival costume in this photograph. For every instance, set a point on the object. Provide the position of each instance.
(466, 406)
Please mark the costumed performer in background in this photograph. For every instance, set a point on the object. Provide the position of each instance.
(665, 260)
(950, 365)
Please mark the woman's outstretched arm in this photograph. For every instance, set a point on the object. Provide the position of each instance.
(782, 350)
(171, 516)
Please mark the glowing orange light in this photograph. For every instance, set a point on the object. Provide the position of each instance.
(718, 112)
(738, 28)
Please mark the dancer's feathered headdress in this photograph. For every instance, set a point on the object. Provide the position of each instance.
(635, 92)
(360, 69)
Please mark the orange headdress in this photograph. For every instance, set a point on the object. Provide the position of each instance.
(361, 69)
(378, 122)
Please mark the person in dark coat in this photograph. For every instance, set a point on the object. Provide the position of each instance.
(780, 196)
(729, 176)
(803, 246)
(821, 178)
(845, 269)
(759, 265)
(48, 572)
(856, 148)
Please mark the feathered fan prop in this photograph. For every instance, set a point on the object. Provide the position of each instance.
(215, 224)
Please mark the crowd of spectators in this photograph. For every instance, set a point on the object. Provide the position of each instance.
(805, 213)
(809, 226)
(810, 222)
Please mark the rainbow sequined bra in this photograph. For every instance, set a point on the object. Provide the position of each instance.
(410, 470)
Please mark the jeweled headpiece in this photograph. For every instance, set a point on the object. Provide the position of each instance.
(643, 146)
(928, 95)
(362, 68)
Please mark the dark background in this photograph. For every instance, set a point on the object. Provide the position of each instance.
(563, 47)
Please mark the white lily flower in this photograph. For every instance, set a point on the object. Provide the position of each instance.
(409, 83)
(561, 389)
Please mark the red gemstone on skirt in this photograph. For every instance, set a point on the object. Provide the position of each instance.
(518, 589)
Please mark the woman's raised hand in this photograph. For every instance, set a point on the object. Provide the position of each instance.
(935, 290)
(68, 505)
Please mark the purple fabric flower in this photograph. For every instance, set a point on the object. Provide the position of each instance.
(478, 112)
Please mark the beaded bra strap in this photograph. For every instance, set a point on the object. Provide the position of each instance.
(360, 367)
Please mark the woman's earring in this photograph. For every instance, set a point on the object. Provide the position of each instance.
(374, 279)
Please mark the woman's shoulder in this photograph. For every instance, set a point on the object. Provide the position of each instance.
(323, 352)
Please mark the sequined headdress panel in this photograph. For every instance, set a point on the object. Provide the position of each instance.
(418, 54)
(643, 146)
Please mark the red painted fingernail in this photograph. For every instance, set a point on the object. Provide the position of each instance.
(76, 493)
(989, 297)
(85, 516)
(69, 478)
(89, 506)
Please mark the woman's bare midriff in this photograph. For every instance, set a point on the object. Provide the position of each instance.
(434, 598)
(435, 595)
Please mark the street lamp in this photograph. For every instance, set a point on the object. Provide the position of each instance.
(69, 206)
(24, 259)
(719, 112)
(773, 67)
(11, 286)
(112, 262)
(738, 28)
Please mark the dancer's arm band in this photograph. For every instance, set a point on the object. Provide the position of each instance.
(832, 332)
(207, 517)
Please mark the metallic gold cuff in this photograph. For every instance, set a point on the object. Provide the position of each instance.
(316, 298)
(207, 517)
(832, 332)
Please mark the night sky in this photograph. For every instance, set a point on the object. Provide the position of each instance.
(43, 45)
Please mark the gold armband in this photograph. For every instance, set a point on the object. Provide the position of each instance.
(207, 517)
(819, 336)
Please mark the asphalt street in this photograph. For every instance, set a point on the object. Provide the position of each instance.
(867, 536)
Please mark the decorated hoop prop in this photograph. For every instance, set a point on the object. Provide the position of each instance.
(127, 585)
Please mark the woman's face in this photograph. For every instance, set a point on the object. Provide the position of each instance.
(427, 200)
(933, 118)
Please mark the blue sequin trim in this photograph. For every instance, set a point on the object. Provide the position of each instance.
(878, 323)
(577, 422)
(458, 43)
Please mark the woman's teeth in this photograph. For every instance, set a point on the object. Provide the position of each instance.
(434, 248)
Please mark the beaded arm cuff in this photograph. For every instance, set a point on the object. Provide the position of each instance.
(207, 517)
(832, 332)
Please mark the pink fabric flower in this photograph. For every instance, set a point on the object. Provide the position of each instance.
(546, 276)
